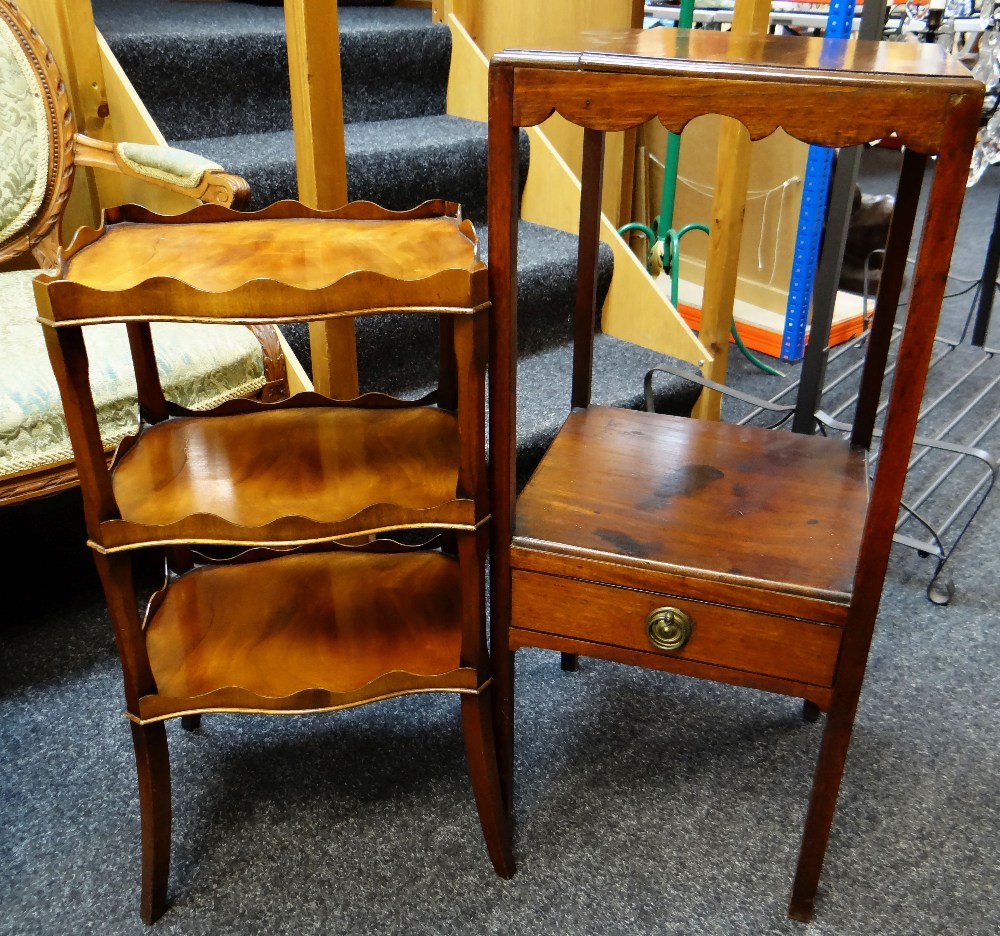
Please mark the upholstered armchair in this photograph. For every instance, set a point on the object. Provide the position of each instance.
(200, 365)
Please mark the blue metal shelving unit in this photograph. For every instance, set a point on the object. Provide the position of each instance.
(819, 169)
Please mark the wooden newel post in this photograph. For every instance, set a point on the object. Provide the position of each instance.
(732, 174)
(321, 166)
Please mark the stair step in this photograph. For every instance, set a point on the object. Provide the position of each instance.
(399, 352)
(186, 22)
(546, 289)
(401, 148)
(396, 163)
(394, 63)
(202, 69)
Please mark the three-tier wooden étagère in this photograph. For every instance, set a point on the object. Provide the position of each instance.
(745, 556)
(286, 591)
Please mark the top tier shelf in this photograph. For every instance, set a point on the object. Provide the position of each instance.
(669, 68)
(285, 262)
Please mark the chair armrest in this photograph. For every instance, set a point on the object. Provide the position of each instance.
(174, 169)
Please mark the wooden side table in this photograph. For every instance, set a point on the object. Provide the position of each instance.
(750, 557)
(283, 594)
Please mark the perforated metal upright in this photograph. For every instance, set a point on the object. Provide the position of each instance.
(819, 168)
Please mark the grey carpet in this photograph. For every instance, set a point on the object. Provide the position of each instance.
(646, 803)
(391, 162)
(233, 55)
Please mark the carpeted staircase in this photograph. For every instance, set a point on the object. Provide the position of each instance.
(214, 76)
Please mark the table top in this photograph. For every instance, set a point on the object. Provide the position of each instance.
(674, 51)
(763, 508)
(828, 92)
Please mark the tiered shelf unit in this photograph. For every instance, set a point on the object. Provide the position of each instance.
(286, 591)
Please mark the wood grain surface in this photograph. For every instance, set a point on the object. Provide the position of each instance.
(286, 261)
(307, 253)
(614, 617)
(761, 507)
(320, 621)
(729, 56)
(324, 464)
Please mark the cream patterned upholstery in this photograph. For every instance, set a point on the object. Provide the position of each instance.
(200, 366)
(24, 140)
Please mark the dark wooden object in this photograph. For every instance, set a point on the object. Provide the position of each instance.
(316, 612)
(770, 542)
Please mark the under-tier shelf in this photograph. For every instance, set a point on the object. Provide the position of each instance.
(306, 632)
(751, 510)
(288, 475)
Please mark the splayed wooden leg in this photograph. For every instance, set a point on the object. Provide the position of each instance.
(153, 768)
(480, 752)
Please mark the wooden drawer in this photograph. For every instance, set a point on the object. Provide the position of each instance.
(610, 617)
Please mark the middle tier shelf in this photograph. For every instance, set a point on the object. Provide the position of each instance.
(306, 632)
(288, 475)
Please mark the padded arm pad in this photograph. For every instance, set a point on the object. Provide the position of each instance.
(165, 163)
(175, 169)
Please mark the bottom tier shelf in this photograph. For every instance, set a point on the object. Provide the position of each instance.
(735, 515)
(308, 632)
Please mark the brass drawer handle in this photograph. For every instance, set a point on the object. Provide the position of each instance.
(668, 628)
